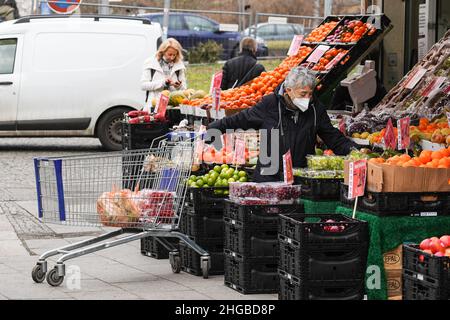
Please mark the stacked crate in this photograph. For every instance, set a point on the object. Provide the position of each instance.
(425, 276)
(322, 260)
(251, 246)
(202, 221)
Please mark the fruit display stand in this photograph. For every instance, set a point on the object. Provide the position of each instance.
(387, 233)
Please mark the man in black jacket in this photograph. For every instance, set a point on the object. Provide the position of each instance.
(244, 67)
(291, 120)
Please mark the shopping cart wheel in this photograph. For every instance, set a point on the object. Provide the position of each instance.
(205, 264)
(175, 261)
(37, 274)
(53, 278)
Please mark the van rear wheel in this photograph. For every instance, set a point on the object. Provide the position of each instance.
(109, 130)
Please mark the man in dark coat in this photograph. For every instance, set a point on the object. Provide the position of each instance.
(294, 118)
(244, 67)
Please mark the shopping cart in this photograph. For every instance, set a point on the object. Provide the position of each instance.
(141, 192)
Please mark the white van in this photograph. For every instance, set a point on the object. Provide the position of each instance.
(64, 76)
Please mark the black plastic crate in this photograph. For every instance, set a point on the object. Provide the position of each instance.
(292, 288)
(251, 275)
(311, 230)
(190, 260)
(141, 135)
(204, 200)
(401, 204)
(408, 204)
(204, 225)
(419, 287)
(210, 244)
(337, 262)
(259, 215)
(320, 189)
(344, 198)
(152, 248)
(426, 264)
(251, 241)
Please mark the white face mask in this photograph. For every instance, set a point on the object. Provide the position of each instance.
(301, 103)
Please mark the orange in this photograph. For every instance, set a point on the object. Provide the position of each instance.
(437, 155)
(442, 167)
(430, 165)
(445, 152)
(405, 157)
(444, 162)
(409, 164)
(425, 156)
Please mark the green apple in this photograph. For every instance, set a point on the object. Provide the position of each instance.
(242, 174)
(200, 183)
(224, 166)
(231, 180)
(225, 184)
(211, 182)
(217, 169)
(243, 179)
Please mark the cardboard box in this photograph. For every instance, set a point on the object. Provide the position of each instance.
(387, 178)
(393, 259)
(394, 283)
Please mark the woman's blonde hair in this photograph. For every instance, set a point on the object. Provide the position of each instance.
(170, 43)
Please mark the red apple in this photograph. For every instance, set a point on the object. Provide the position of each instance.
(437, 245)
(428, 251)
(446, 241)
(447, 252)
(425, 244)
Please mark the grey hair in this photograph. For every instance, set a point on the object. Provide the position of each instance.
(248, 43)
(300, 77)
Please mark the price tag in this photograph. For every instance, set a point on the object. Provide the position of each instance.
(414, 78)
(162, 105)
(404, 139)
(295, 45)
(216, 99)
(390, 140)
(335, 61)
(199, 146)
(357, 178)
(434, 85)
(216, 81)
(318, 53)
(239, 151)
(288, 168)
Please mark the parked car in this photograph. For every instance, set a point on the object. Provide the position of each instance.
(276, 31)
(63, 77)
(192, 29)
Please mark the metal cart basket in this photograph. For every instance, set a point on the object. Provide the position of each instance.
(141, 192)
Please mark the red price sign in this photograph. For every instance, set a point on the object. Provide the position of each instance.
(239, 151)
(161, 108)
(295, 45)
(357, 177)
(335, 61)
(216, 81)
(216, 98)
(288, 168)
(414, 78)
(434, 85)
(318, 53)
(390, 140)
(404, 139)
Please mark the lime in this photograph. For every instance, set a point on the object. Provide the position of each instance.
(200, 183)
(242, 174)
(231, 180)
(243, 179)
(217, 169)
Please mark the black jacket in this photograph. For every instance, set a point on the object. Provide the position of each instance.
(300, 131)
(240, 69)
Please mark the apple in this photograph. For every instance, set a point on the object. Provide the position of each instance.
(428, 251)
(425, 244)
(446, 241)
(437, 245)
(447, 252)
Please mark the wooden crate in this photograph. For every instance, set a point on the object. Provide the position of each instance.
(394, 283)
(393, 259)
